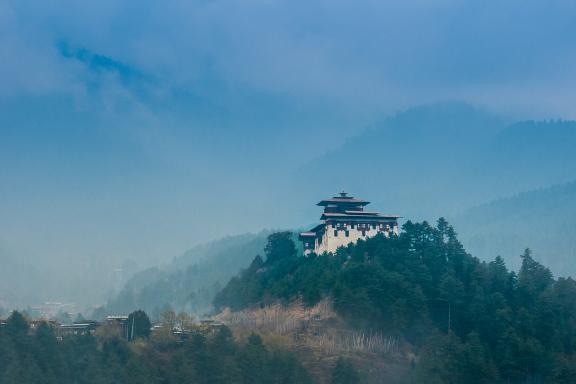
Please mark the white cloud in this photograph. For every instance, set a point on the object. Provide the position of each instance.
(363, 55)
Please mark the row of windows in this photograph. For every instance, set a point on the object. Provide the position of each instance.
(360, 226)
(347, 233)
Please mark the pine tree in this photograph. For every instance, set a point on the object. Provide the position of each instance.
(138, 325)
(16, 325)
(280, 246)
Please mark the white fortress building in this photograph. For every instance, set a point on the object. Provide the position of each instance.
(345, 221)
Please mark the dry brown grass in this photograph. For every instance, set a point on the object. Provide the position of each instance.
(312, 327)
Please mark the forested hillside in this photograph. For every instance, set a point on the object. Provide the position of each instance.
(468, 321)
(191, 280)
(543, 220)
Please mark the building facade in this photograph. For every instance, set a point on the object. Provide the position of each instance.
(344, 221)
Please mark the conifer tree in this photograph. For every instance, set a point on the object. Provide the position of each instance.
(138, 325)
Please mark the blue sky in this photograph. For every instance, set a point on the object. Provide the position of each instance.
(134, 129)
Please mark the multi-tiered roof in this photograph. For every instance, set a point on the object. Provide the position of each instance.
(344, 207)
(345, 211)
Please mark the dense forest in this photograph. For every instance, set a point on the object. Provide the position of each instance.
(35, 356)
(468, 321)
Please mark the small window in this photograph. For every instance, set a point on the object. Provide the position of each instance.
(363, 233)
(347, 234)
(352, 226)
(335, 233)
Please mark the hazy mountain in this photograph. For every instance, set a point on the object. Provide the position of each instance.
(12, 275)
(191, 280)
(442, 159)
(408, 162)
(543, 220)
(83, 282)
(423, 163)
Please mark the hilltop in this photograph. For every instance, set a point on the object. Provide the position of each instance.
(466, 320)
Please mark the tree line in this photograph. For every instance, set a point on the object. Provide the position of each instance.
(30, 356)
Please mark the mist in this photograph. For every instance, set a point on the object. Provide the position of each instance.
(133, 131)
(266, 191)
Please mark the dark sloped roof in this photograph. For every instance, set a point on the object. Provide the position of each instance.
(343, 198)
(339, 201)
(313, 232)
(361, 213)
(317, 228)
(358, 215)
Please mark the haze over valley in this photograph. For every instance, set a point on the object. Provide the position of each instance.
(220, 191)
(430, 161)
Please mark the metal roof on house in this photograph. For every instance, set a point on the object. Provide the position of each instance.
(77, 325)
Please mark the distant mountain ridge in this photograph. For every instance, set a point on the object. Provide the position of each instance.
(12, 272)
(543, 220)
(423, 163)
(408, 161)
(442, 159)
(191, 280)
